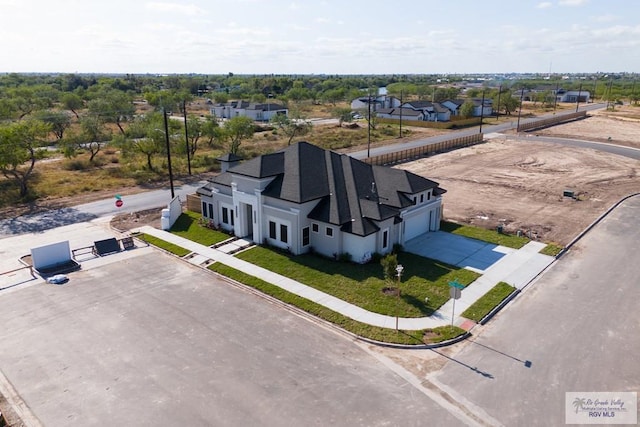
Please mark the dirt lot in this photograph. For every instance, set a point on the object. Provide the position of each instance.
(621, 126)
(520, 182)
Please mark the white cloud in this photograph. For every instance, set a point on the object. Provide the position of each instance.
(605, 18)
(322, 20)
(185, 9)
(572, 2)
(544, 5)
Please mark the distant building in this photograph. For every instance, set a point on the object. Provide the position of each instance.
(255, 111)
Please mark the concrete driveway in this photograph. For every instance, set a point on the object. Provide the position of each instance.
(457, 250)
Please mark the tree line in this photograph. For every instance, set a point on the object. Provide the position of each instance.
(84, 112)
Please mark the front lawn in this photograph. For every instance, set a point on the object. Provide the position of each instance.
(490, 236)
(188, 226)
(488, 301)
(362, 285)
(346, 323)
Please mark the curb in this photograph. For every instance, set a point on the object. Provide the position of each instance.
(593, 224)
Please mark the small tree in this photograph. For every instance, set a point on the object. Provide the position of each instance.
(91, 138)
(72, 102)
(389, 264)
(237, 129)
(466, 109)
(343, 115)
(291, 127)
(59, 121)
(19, 144)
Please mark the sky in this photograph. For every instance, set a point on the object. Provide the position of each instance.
(319, 37)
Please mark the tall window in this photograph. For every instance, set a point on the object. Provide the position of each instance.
(272, 230)
(204, 208)
(385, 239)
(211, 210)
(305, 236)
(283, 233)
(225, 215)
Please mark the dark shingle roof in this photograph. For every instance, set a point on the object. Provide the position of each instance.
(352, 194)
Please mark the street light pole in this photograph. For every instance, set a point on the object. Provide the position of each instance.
(166, 137)
(399, 270)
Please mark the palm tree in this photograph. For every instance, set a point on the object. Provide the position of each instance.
(579, 403)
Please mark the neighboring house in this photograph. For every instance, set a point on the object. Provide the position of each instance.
(478, 107)
(433, 111)
(455, 105)
(400, 113)
(255, 111)
(377, 102)
(573, 95)
(305, 198)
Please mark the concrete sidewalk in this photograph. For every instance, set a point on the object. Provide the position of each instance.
(517, 267)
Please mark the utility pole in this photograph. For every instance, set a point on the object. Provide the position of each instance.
(578, 100)
(369, 125)
(166, 137)
(520, 109)
(498, 110)
(400, 113)
(555, 97)
(481, 111)
(186, 135)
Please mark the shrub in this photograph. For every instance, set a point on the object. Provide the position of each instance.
(345, 257)
(389, 264)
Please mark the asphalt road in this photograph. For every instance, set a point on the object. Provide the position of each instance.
(577, 327)
(144, 339)
(486, 129)
(86, 212)
(619, 150)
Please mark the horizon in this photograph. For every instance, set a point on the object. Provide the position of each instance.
(320, 38)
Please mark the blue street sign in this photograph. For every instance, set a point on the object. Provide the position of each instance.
(455, 284)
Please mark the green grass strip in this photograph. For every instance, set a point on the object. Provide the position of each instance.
(163, 244)
(353, 326)
(489, 236)
(488, 301)
(551, 249)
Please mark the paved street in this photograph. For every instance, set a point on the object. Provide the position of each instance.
(88, 211)
(577, 327)
(143, 339)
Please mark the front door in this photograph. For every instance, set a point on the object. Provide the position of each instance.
(249, 217)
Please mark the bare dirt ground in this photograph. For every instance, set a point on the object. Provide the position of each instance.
(621, 126)
(519, 182)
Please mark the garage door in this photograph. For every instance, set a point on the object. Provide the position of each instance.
(416, 225)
